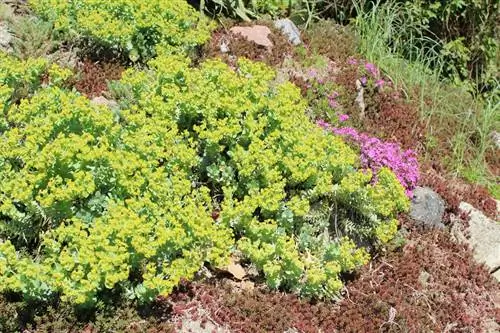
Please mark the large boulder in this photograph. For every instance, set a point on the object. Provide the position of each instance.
(482, 234)
(427, 208)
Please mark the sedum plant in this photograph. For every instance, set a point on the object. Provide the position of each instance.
(134, 27)
(198, 163)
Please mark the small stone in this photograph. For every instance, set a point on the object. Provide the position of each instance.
(360, 98)
(495, 136)
(496, 275)
(247, 285)
(67, 59)
(423, 278)
(427, 208)
(290, 30)
(224, 47)
(259, 34)
(291, 330)
(101, 100)
(236, 270)
(5, 38)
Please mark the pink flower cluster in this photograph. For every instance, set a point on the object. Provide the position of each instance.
(343, 117)
(376, 154)
(372, 70)
(332, 100)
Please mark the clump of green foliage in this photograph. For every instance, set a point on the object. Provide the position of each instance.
(247, 9)
(33, 37)
(136, 28)
(469, 31)
(21, 78)
(464, 34)
(197, 163)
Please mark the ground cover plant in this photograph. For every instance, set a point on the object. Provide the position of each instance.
(432, 284)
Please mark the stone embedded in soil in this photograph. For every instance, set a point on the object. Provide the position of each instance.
(496, 275)
(101, 100)
(360, 100)
(5, 38)
(289, 29)
(64, 58)
(259, 34)
(236, 270)
(495, 136)
(482, 234)
(423, 278)
(199, 323)
(427, 208)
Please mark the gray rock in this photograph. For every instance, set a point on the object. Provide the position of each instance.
(360, 99)
(496, 275)
(224, 47)
(5, 38)
(423, 278)
(427, 207)
(291, 330)
(68, 59)
(200, 322)
(482, 234)
(495, 136)
(289, 29)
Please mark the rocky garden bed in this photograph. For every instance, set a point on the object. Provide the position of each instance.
(190, 176)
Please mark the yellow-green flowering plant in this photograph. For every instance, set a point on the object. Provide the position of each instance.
(125, 199)
(135, 27)
(104, 199)
(21, 78)
(266, 165)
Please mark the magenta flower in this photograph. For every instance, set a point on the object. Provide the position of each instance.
(323, 124)
(352, 61)
(312, 73)
(363, 81)
(344, 131)
(333, 103)
(372, 69)
(343, 117)
(379, 83)
(375, 154)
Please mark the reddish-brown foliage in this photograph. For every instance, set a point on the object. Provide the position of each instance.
(396, 120)
(93, 77)
(454, 191)
(239, 46)
(431, 285)
(330, 40)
